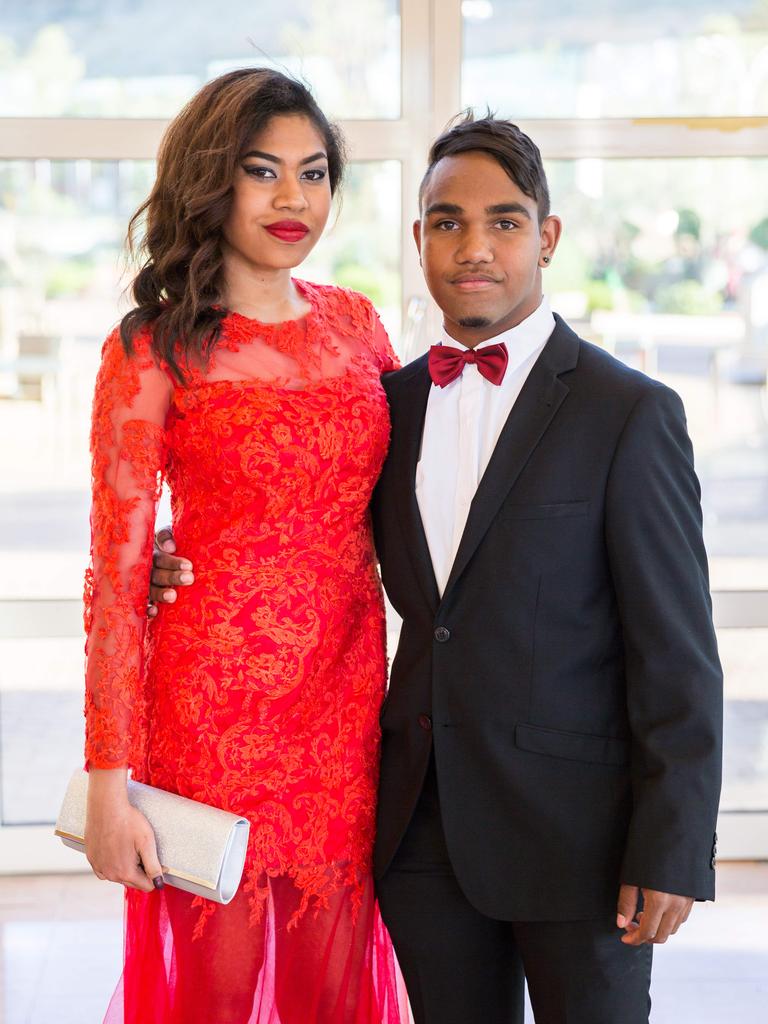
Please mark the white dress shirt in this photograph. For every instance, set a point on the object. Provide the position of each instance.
(462, 425)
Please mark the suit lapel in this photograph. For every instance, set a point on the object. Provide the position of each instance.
(536, 406)
(409, 419)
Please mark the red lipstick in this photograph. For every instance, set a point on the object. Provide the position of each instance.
(288, 230)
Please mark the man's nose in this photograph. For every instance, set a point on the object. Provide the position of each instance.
(475, 248)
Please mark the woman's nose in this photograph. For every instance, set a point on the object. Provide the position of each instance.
(290, 195)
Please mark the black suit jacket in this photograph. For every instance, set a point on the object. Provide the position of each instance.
(569, 677)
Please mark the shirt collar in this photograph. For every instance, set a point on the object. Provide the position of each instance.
(522, 340)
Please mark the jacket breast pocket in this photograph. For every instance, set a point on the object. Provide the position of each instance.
(558, 510)
(572, 746)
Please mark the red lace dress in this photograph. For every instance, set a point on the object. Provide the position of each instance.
(259, 689)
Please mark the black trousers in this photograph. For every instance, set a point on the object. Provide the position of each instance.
(461, 967)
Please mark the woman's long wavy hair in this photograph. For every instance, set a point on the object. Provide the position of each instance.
(180, 283)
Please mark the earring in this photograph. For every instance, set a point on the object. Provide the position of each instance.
(546, 259)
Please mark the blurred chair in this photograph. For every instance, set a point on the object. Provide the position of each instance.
(412, 341)
(36, 367)
(39, 361)
(746, 367)
(43, 376)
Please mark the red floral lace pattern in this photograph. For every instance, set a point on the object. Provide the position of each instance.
(128, 459)
(271, 481)
(259, 689)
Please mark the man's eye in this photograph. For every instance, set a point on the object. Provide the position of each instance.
(446, 225)
(259, 172)
(317, 174)
(506, 225)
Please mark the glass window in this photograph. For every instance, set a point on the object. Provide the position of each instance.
(361, 245)
(679, 58)
(62, 225)
(41, 725)
(146, 59)
(744, 653)
(665, 263)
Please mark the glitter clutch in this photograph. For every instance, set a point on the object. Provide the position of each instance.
(201, 849)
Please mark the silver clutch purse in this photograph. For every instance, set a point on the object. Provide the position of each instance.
(201, 849)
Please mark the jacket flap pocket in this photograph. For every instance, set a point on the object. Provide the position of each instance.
(572, 746)
(561, 510)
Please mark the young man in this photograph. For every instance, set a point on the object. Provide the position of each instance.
(552, 733)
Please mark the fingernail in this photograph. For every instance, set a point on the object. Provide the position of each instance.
(169, 595)
(185, 565)
(158, 882)
(621, 921)
(187, 577)
(168, 545)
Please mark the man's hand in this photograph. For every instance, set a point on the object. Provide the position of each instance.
(661, 916)
(168, 571)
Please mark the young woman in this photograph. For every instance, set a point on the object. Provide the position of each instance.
(257, 397)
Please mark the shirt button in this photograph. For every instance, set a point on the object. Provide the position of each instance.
(425, 722)
(442, 634)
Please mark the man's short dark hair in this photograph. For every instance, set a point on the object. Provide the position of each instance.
(513, 149)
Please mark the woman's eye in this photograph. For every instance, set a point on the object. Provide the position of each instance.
(259, 172)
(317, 174)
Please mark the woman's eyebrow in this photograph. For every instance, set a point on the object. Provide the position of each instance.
(320, 155)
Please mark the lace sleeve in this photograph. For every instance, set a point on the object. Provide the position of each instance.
(380, 343)
(387, 358)
(128, 451)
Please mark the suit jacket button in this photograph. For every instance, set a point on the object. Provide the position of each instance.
(442, 635)
(425, 722)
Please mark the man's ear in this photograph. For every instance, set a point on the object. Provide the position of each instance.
(417, 236)
(551, 229)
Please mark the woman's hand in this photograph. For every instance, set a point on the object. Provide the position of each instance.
(119, 841)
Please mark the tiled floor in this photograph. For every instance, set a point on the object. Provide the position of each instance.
(60, 948)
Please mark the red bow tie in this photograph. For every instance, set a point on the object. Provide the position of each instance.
(446, 363)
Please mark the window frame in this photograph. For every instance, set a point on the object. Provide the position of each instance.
(431, 64)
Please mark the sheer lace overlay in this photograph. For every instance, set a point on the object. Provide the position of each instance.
(128, 450)
(259, 689)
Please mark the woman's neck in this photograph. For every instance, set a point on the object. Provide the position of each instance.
(262, 294)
